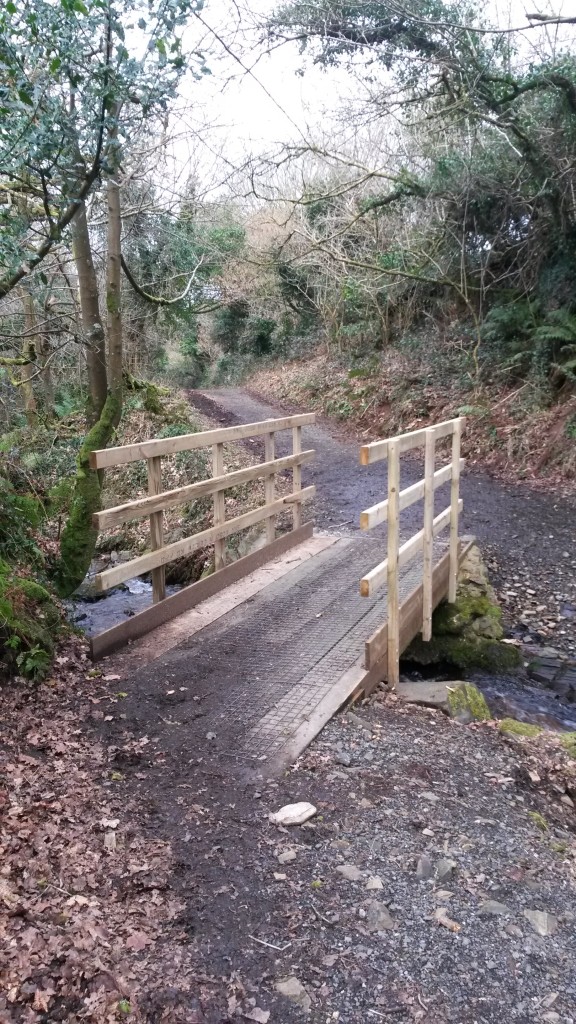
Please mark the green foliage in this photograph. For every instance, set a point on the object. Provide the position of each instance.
(189, 342)
(508, 333)
(526, 341)
(48, 49)
(258, 339)
(229, 324)
(29, 624)
(34, 663)
(20, 518)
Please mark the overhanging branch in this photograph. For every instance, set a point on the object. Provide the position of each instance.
(158, 300)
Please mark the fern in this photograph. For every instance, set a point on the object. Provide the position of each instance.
(560, 327)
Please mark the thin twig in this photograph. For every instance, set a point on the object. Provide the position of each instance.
(321, 916)
(270, 945)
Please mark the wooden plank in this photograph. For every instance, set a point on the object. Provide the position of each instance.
(270, 486)
(351, 685)
(412, 609)
(392, 568)
(219, 505)
(378, 450)
(377, 514)
(145, 563)
(377, 577)
(113, 517)
(456, 506)
(103, 458)
(428, 539)
(156, 528)
(187, 598)
(297, 477)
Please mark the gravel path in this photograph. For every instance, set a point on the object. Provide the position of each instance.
(527, 537)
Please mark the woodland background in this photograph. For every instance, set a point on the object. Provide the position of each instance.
(409, 257)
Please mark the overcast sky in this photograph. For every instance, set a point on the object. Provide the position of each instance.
(250, 112)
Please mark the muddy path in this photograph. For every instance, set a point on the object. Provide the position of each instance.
(528, 537)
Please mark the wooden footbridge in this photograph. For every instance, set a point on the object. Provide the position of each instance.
(323, 617)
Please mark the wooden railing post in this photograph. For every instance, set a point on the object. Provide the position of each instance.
(296, 478)
(393, 546)
(156, 528)
(428, 559)
(269, 485)
(454, 510)
(219, 504)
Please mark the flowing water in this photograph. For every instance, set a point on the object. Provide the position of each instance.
(94, 614)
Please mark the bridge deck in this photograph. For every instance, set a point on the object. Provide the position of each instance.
(264, 677)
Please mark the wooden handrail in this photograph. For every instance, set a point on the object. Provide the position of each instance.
(406, 552)
(111, 518)
(377, 514)
(377, 450)
(423, 541)
(158, 501)
(154, 559)
(104, 458)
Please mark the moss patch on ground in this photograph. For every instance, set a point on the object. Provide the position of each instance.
(515, 728)
(568, 740)
(467, 699)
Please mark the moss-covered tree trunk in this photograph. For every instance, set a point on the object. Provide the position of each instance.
(93, 328)
(78, 540)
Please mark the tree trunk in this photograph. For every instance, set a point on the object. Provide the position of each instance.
(30, 347)
(79, 536)
(113, 293)
(91, 319)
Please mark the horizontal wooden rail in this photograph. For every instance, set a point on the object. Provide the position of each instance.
(111, 518)
(377, 514)
(180, 548)
(377, 576)
(378, 450)
(104, 458)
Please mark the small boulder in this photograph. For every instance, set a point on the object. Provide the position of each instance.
(378, 917)
(293, 814)
(374, 882)
(294, 991)
(493, 908)
(424, 868)
(542, 922)
(445, 869)
(350, 872)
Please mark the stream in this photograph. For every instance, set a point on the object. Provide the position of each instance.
(94, 613)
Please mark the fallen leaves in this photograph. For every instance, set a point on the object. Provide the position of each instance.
(138, 941)
(72, 920)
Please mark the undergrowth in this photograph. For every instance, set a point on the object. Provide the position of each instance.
(511, 427)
